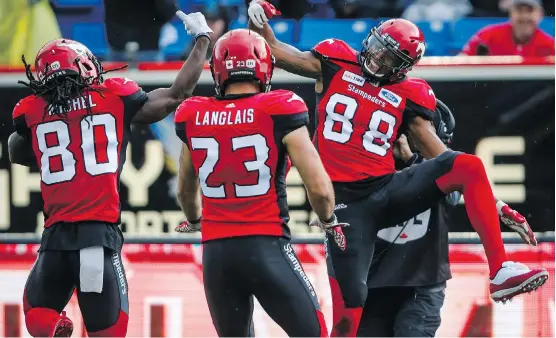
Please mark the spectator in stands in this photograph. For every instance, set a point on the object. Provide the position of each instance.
(437, 10)
(353, 9)
(520, 36)
(133, 27)
(25, 26)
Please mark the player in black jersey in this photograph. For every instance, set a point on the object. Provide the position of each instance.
(410, 267)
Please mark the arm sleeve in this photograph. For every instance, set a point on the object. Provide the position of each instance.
(133, 103)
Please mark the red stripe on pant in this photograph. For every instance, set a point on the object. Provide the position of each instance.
(345, 321)
(119, 329)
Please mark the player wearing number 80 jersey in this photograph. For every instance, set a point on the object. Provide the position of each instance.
(75, 127)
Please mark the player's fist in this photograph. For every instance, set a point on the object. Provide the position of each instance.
(402, 150)
(334, 229)
(195, 24)
(188, 227)
(261, 11)
(516, 222)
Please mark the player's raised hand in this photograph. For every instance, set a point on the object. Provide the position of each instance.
(188, 227)
(195, 24)
(334, 229)
(516, 222)
(261, 11)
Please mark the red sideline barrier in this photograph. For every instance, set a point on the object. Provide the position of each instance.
(167, 298)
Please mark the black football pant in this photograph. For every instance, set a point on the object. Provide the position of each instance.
(237, 269)
(402, 311)
(55, 276)
(408, 193)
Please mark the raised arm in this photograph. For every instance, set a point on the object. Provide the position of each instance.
(161, 102)
(287, 57)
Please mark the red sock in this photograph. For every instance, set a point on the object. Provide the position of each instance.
(348, 323)
(468, 175)
(40, 321)
(119, 329)
(337, 299)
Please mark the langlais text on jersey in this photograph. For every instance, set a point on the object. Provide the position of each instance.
(222, 118)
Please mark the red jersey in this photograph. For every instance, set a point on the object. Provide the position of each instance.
(80, 155)
(357, 122)
(498, 38)
(236, 148)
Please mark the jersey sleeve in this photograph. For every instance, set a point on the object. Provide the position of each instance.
(332, 48)
(181, 117)
(18, 118)
(288, 111)
(132, 95)
(420, 102)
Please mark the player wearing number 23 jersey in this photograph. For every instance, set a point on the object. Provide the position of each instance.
(236, 149)
(365, 101)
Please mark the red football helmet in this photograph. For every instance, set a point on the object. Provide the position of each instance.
(240, 55)
(67, 57)
(391, 49)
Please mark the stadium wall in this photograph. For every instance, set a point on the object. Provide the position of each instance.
(504, 107)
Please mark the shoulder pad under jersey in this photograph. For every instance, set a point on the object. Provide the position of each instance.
(420, 92)
(335, 49)
(283, 102)
(120, 86)
(186, 107)
(22, 106)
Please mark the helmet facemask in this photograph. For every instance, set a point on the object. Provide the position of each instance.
(381, 58)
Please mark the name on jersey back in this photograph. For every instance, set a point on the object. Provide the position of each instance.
(366, 95)
(223, 118)
(75, 104)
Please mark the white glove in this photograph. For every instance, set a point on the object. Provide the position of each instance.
(260, 12)
(195, 24)
(334, 229)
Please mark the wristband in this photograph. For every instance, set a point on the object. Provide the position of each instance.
(415, 158)
(330, 220)
(205, 34)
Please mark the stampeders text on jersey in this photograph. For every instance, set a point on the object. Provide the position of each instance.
(221, 118)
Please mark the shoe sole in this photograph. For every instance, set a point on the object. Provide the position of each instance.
(531, 284)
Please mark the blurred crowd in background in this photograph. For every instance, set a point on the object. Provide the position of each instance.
(141, 30)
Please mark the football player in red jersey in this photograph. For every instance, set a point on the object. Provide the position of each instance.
(235, 155)
(365, 100)
(75, 127)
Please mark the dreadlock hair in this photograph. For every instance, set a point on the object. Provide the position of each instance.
(59, 90)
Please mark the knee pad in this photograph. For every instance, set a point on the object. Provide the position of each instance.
(119, 329)
(40, 321)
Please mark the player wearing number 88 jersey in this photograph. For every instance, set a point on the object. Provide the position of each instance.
(366, 100)
(235, 153)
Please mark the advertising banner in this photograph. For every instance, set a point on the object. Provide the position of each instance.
(167, 297)
(508, 121)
